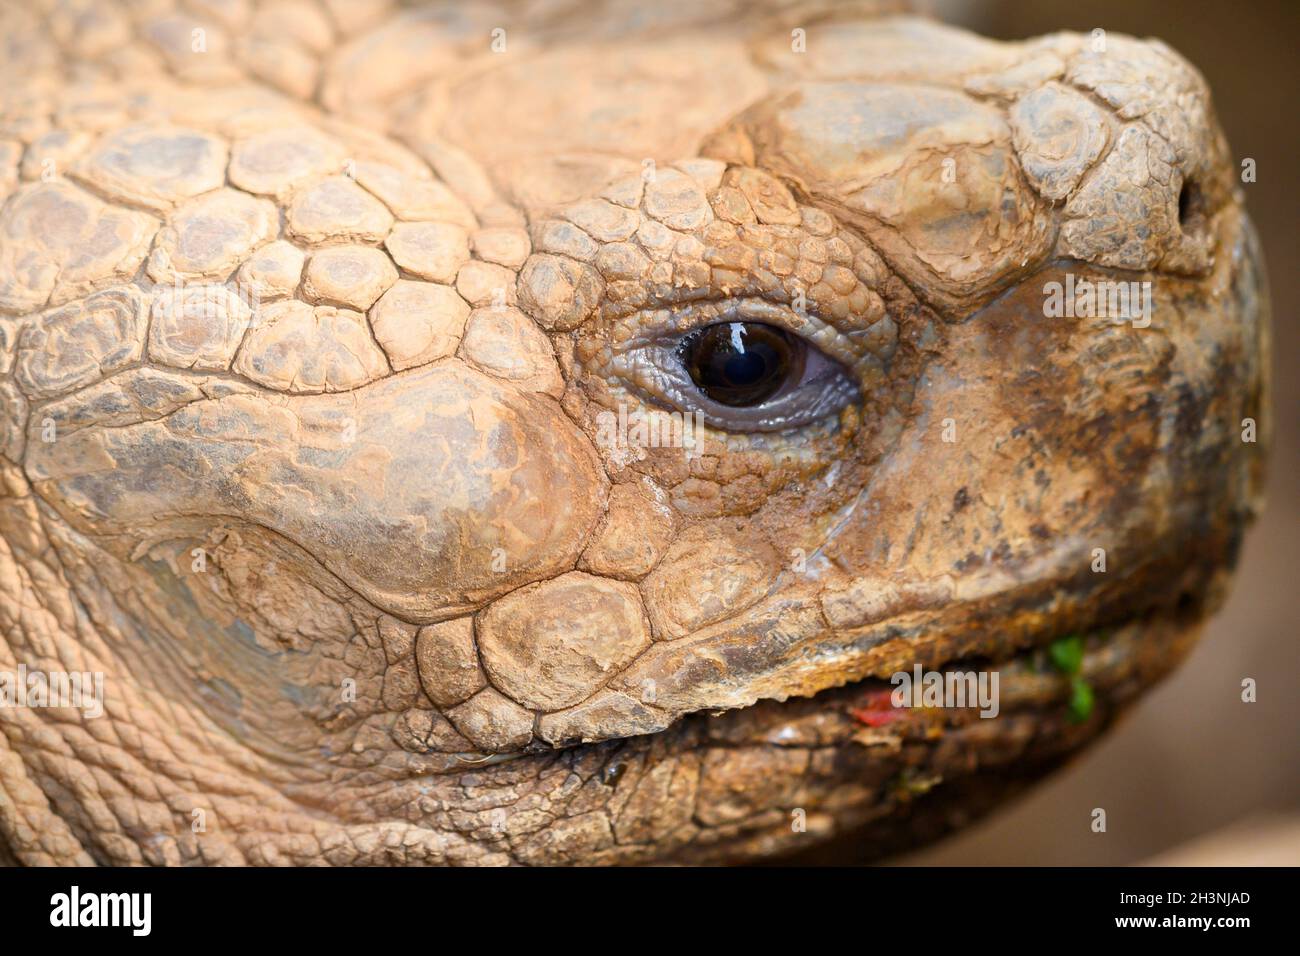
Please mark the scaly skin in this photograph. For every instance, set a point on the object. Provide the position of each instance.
(364, 583)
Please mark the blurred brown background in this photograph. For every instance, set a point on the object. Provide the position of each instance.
(1192, 759)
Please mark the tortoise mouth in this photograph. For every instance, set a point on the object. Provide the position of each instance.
(1070, 681)
(783, 777)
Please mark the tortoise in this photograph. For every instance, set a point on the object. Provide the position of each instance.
(544, 434)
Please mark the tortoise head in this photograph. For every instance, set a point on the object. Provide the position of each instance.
(627, 430)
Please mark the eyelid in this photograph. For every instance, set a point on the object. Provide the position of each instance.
(642, 355)
(666, 326)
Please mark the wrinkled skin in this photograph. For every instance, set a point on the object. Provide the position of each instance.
(364, 582)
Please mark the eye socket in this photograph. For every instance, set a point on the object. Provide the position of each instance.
(741, 364)
(744, 365)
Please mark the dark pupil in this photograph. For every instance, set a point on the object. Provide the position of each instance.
(738, 363)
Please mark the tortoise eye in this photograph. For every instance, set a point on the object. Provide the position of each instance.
(736, 363)
(741, 364)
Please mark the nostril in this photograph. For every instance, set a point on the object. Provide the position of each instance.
(1191, 204)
